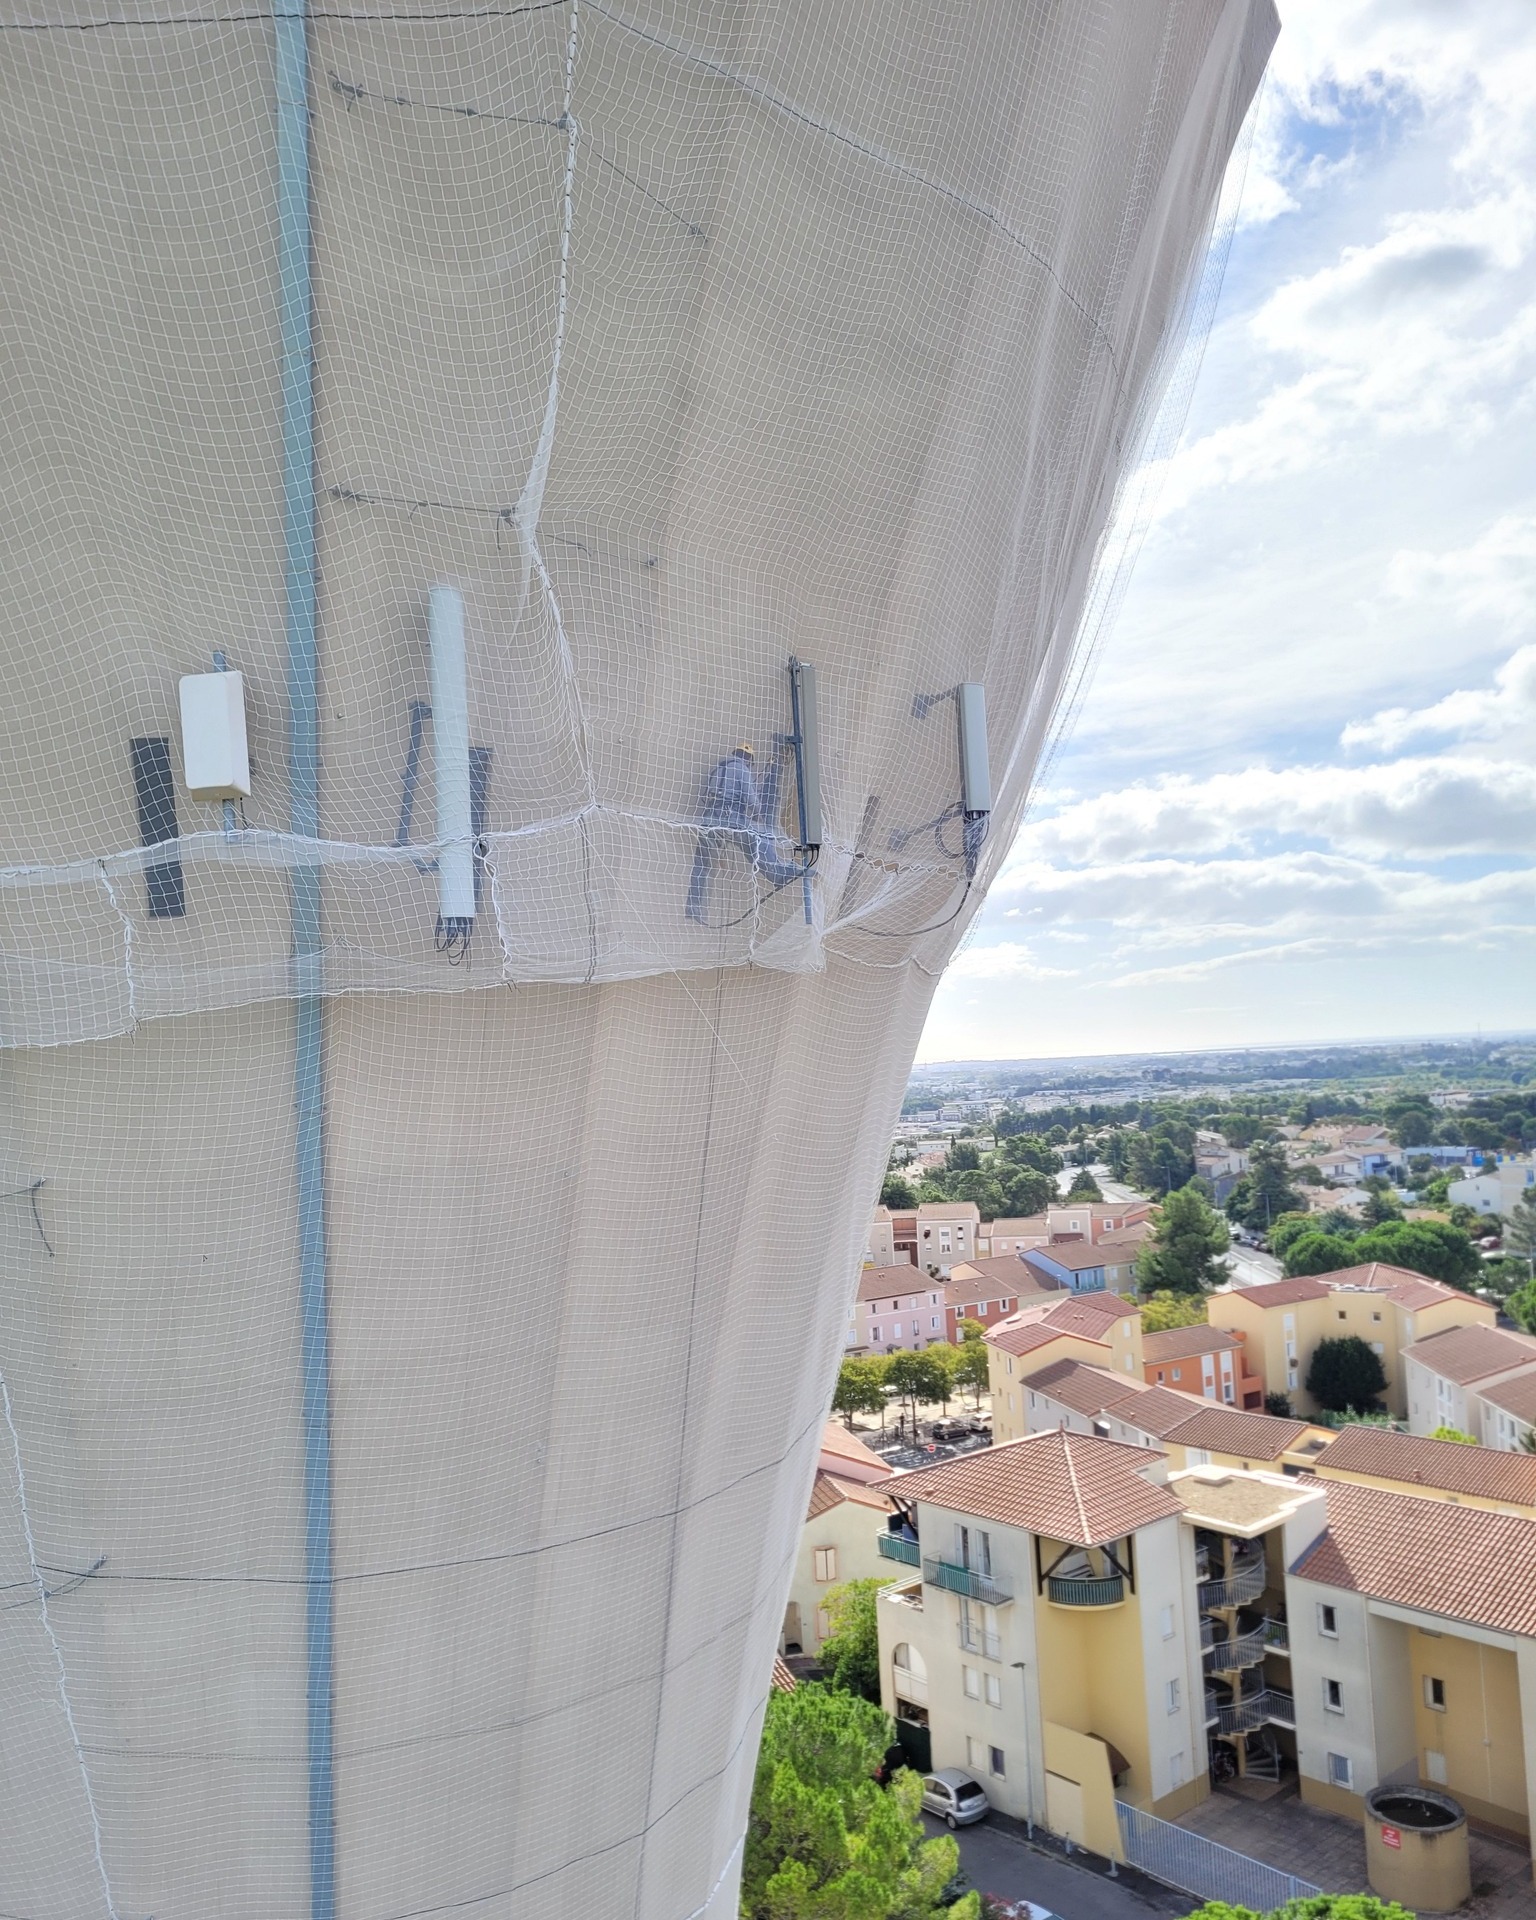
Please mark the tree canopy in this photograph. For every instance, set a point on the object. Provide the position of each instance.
(824, 1840)
(1317, 1906)
(898, 1194)
(1165, 1310)
(1431, 1247)
(1085, 1187)
(1184, 1253)
(1346, 1375)
(1265, 1191)
(851, 1652)
(860, 1387)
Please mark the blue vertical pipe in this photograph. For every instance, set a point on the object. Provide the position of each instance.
(295, 275)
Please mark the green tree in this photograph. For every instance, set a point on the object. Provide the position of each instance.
(1431, 1247)
(983, 1190)
(850, 1654)
(963, 1157)
(1028, 1191)
(1265, 1190)
(824, 1840)
(1317, 1906)
(1289, 1228)
(1316, 1252)
(917, 1376)
(898, 1194)
(1163, 1160)
(1521, 1306)
(1382, 1204)
(1085, 1187)
(1161, 1312)
(1184, 1253)
(1454, 1433)
(1278, 1404)
(1520, 1229)
(971, 1368)
(1345, 1374)
(860, 1387)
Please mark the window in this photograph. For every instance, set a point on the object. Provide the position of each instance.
(933, 1322)
(1010, 1364)
(998, 1766)
(1178, 1373)
(824, 1563)
(823, 1624)
(994, 1690)
(1327, 1620)
(1376, 1316)
(1377, 1347)
(1290, 1378)
(1434, 1766)
(1165, 1622)
(1333, 1696)
(972, 1680)
(1341, 1313)
(1340, 1772)
(1434, 1693)
(1228, 1392)
(1159, 1376)
(1171, 1696)
(875, 1332)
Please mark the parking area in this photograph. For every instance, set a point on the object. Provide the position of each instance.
(997, 1857)
(1330, 1851)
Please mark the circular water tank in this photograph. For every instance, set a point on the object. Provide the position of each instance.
(1416, 1847)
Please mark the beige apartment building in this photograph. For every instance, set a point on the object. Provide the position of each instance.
(1099, 1329)
(843, 1525)
(1283, 1323)
(1046, 1639)
(1473, 1378)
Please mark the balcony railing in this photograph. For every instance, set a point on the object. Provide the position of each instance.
(978, 1640)
(1268, 1708)
(1244, 1584)
(1242, 1650)
(910, 1686)
(1277, 1636)
(1212, 1709)
(893, 1547)
(1108, 1592)
(975, 1586)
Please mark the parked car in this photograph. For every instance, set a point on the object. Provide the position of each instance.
(981, 1423)
(949, 1430)
(955, 1797)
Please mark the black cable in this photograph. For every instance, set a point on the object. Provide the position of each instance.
(724, 926)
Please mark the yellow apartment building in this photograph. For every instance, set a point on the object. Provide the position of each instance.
(1413, 1650)
(1046, 1639)
(840, 1542)
(1438, 1469)
(1283, 1323)
(1098, 1329)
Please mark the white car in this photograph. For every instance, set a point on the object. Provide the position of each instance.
(955, 1797)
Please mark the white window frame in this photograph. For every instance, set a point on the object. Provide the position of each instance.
(1325, 1613)
(824, 1565)
(1330, 1689)
(1341, 1771)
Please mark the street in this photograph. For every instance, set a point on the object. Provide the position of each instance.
(998, 1858)
(1250, 1268)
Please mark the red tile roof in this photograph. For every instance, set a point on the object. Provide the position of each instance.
(827, 1491)
(1284, 1293)
(840, 1447)
(1183, 1343)
(1408, 1289)
(782, 1680)
(1517, 1395)
(1066, 1486)
(1083, 1388)
(1159, 1411)
(1466, 1354)
(1444, 1464)
(890, 1283)
(1077, 1255)
(1021, 1337)
(1254, 1436)
(1462, 1563)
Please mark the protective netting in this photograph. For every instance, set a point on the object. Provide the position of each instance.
(410, 1393)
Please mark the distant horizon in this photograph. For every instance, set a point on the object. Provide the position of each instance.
(1471, 1037)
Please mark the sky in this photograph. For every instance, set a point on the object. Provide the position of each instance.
(1298, 799)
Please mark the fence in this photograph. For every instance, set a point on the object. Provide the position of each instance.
(1201, 1867)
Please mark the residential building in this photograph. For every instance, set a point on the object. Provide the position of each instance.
(1220, 1166)
(1498, 1188)
(1210, 1361)
(1093, 1219)
(1412, 1626)
(1284, 1322)
(845, 1455)
(947, 1231)
(880, 1247)
(1450, 1374)
(1509, 1411)
(988, 1291)
(1437, 1469)
(1102, 1330)
(1248, 1528)
(1047, 1639)
(847, 1515)
(898, 1309)
(1004, 1237)
(1083, 1266)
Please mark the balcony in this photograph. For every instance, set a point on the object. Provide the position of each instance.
(910, 1686)
(1246, 1582)
(965, 1580)
(1277, 1637)
(978, 1640)
(893, 1547)
(1268, 1708)
(1212, 1709)
(1108, 1592)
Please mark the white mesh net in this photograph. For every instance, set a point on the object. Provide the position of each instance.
(421, 1472)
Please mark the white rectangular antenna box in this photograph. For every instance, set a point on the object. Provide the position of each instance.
(215, 757)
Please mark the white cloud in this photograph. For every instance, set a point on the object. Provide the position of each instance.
(1430, 807)
(1005, 960)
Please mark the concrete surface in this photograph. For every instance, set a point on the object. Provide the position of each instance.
(997, 1856)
